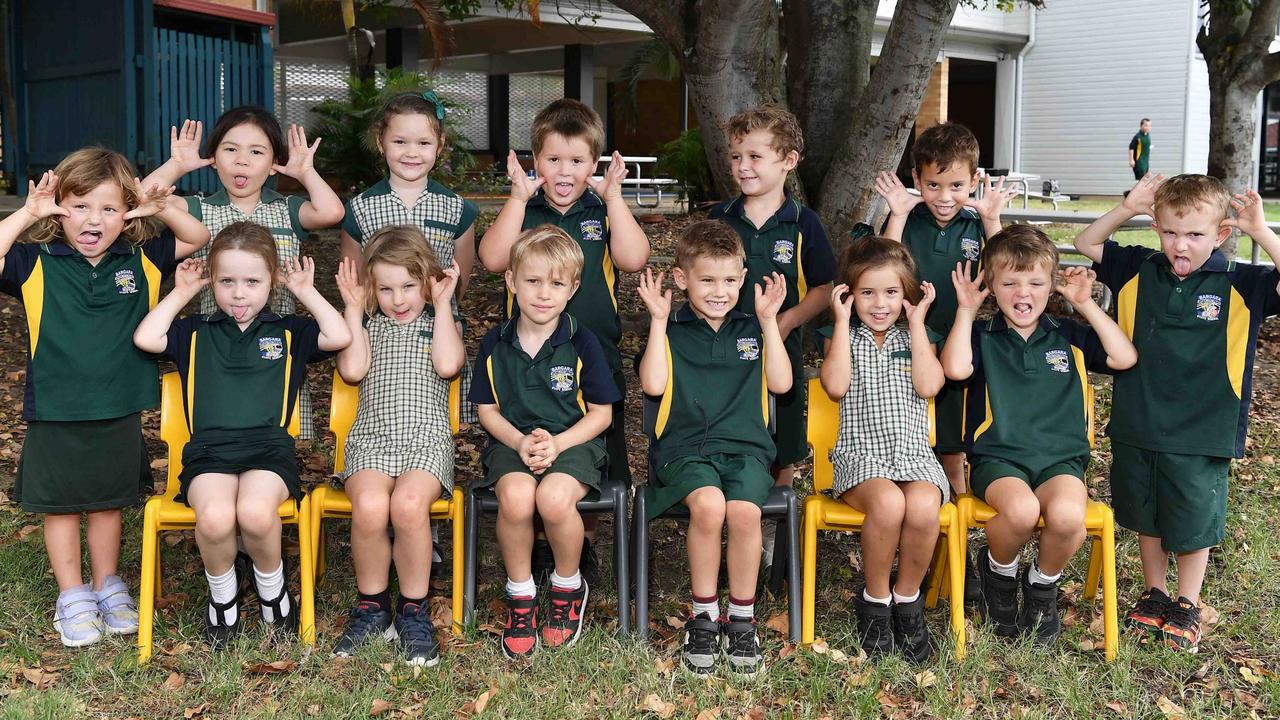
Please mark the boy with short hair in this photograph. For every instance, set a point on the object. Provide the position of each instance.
(566, 138)
(1026, 419)
(779, 235)
(1194, 314)
(713, 367)
(544, 392)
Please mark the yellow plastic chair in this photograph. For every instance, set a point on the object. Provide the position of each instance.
(1100, 525)
(327, 503)
(164, 513)
(825, 513)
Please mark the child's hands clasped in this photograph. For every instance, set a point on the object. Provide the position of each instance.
(895, 193)
(522, 186)
(298, 274)
(609, 186)
(349, 285)
(151, 201)
(538, 450)
(301, 156)
(656, 300)
(969, 293)
(190, 277)
(42, 198)
(916, 313)
(771, 292)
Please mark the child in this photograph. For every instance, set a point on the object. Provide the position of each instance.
(93, 272)
(882, 373)
(544, 393)
(1026, 421)
(246, 147)
(1194, 315)
(399, 454)
(943, 226)
(241, 369)
(713, 367)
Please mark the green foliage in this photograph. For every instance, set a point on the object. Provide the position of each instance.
(685, 160)
(350, 159)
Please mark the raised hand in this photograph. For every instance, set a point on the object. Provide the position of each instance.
(994, 198)
(609, 186)
(770, 296)
(184, 146)
(522, 187)
(301, 156)
(42, 198)
(969, 293)
(151, 201)
(895, 193)
(349, 285)
(1143, 194)
(842, 304)
(190, 276)
(1249, 219)
(1076, 285)
(299, 274)
(656, 300)
(916, 313)
(442, 288)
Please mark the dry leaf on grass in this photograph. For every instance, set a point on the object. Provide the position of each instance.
(41, 678)
(656, 705)
(196, 711)
(755, 713)
(378, 707)
(925, 679)
(1171, 709)
(174, 682)
(482, 700)
(25, 531)
(710, 714)
(1118, 708)
(271, 668)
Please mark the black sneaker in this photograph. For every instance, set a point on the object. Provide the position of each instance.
(565, 616)
(284, 622)
(742, 647)
(701, 644)
(999, 605)
(1147, 615)
(1182, 626)
(417, 635)
(520, 634)
(875, 626)
(910, 633)
(217, 633)
(589, 565)
(365, 621)
(543, 562)
(972, 583)
(1039, 617)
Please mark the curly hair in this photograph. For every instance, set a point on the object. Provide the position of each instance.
(775, 119)
(80, 173)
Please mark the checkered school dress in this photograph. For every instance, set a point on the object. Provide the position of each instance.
(402, 419)
(884, 424)
(279, 214)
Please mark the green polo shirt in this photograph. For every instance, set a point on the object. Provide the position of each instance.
(82, 363)
(1026, 400)
(937, 249)
(717, 396)
(551, 388)
(1141, 147)
(1189, 393)
(242, 380)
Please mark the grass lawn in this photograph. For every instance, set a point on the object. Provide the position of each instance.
(1235, 674)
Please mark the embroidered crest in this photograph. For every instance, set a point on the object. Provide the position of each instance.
(592, 230)
(784, 251)
(748, 348)
(1208, 307)
(970, 247)
(561, 378)
(126, 283)
(271, 348)
(1058, 361)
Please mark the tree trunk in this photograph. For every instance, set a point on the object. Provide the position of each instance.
(1232, 128)
(886, 112)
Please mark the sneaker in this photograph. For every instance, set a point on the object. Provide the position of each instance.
(565, 616)
(1148, 613)
(76, 617)
(875, 626)
(1039, 617)
(365, 621)
(589, 565)
(119, 613)
(284, 622)
(520, 634)
(742, 647)
(910, 633)
(218, 633)
(701, 644)
(972, 583)
(543, 562)
(417, 635)
(1181, 627)
(999, 605)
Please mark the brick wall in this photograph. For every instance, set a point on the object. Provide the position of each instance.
(933, 109)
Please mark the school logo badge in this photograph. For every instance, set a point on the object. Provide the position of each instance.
(126, 283)
(748, 348)
(784, 251)
(970, 248)
(561, 378)
(592, 230)
(1058, 361)
(1208, 307)
(271, 348)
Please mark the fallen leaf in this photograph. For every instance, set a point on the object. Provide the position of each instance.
(675, 622)
(1119, 708)
(788, 649)
(170, 648)
(925, 679)
(27, 530)
(656, 705)
(174, 682)
(1171, 710)
(271, 668)
(482, 700)
(819, 645)
(195, 711)
(160, 463)
(1249, 675)
(710, 714)
(1209, 615)
(779, 623)
(40, 677)
(176, 599)
(378, 707)
(664, 666)
(755, 713)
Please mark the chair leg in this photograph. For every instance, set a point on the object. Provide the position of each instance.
(809, 581)
(621, 559)
(938, 586)
(957, 539)
(306, 562)
(148, 583)
(459, 561)
(1110, 621)
(793, 568)
(778, 570)
(321, 550)
(470, 547)
(641, 567)
(1095, 568)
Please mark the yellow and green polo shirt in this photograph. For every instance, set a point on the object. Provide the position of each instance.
(936, 250)
(1141, 147)
(82, 363)
(1189, 393)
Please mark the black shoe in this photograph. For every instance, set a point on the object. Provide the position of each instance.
(217, 633)
(1039, 617)
(543, 562)
(910, 633)
(284, 622)
(1181, 628)
(366, 621)
(417, 635)
(875, 626)
(742, 647)
(1147, 615)
(589, 565)
(972, 583)
(999, 605)
(701, 644)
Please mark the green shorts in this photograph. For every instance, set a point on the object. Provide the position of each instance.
(1181, 499)
(76, 466)
(986, 470)
(232, 452)
(790, 433)
(948, 419)
(739, 477)
(583, 463)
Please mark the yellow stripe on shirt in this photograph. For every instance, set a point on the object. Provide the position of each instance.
(1237, 341)
(33, 302)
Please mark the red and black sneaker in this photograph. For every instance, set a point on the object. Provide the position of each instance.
(565, 616)
(1148, 613)
(520, 634)
(1182, 626)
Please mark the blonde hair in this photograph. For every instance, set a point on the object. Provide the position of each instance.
(707, 238)
(570, 119)
(249, 237)
(549, 243)
(771, 117)
(1182, 193)
(873, 252)
(399, 246)
(83, 171)
(1019, 248)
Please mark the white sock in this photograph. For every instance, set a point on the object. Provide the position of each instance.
(872, 599)
(1010, 570)
(905, 599)
(528, 588)
(1036, 577)
(222, 589)
(573, 582)
(271, 586)
(710, 609)
(740, 610)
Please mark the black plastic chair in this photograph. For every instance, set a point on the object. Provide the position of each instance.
(781, 504)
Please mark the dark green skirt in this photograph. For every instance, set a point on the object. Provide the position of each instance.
(71, 466)
(232, 452)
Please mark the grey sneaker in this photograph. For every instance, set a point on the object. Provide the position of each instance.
(701, 644)
(119, 613)
(742, 647)
(76, 617)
